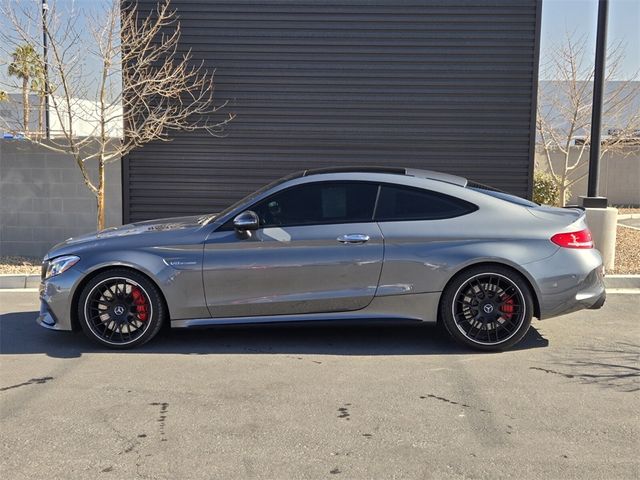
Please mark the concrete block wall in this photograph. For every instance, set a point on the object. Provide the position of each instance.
(619, 175)
(43, 199)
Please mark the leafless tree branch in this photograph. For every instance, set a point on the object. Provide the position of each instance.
(564, 111)
(146, 87)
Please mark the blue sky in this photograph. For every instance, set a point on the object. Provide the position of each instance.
(558, 18)
(580, 17)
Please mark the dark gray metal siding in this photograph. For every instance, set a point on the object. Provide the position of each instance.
(442, 84)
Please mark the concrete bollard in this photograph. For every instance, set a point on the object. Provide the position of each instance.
(603, 223)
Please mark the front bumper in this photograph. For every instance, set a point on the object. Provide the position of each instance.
(56, 298)
(46, 317)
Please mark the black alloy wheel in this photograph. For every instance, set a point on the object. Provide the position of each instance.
(120, 309)
(487, 308)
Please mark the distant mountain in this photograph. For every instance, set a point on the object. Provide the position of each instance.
(557, 89)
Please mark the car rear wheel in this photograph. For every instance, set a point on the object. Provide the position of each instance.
(120, 309)
(487, 308)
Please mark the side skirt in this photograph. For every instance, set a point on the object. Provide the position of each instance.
(421, 307)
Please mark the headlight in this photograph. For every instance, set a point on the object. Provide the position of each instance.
(58, 265)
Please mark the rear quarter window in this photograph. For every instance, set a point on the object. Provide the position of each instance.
(397, 203)
(505, 196)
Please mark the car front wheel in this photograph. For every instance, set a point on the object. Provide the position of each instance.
(487, 308)
(120, 309)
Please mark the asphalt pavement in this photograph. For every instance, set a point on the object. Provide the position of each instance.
(326, 401)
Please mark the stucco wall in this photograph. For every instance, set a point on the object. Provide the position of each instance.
(44, 201)
(619, 175)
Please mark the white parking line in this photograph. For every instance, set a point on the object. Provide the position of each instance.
(25, 290)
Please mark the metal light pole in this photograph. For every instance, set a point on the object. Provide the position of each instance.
(600, 218)
(592, 199)
(45, 7)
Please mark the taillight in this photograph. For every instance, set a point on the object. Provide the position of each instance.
(581, 239)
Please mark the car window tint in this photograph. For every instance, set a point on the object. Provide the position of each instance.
(505, 196)
(405, 203)
(319, 203)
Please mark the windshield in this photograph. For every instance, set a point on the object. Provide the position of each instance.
(260, 191)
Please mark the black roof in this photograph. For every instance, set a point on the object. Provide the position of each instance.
(413, 172)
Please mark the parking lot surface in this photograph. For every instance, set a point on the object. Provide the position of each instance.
(322, 401)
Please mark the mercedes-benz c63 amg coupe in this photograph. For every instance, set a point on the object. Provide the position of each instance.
(333, 244)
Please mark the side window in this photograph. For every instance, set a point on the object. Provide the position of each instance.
(319, 203)
(406, 203)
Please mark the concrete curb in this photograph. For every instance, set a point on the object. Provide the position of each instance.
(627, 216)
(11, 281)
(622, 281)
(627, 226)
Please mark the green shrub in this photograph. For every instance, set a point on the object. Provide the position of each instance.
(545, 190)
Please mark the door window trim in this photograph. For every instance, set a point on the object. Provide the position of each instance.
(228, 225)
(471, 207)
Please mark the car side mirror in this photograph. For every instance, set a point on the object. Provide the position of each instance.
(245, 222)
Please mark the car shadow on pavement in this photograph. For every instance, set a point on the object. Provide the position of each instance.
(19, 334)
(614, 366)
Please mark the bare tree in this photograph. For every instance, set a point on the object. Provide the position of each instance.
(142, 86)
(564, 111)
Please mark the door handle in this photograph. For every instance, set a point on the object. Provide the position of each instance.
(353, 238)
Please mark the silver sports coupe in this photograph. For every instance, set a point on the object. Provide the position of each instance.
(333, 244)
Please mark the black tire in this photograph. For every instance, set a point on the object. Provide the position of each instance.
(487, 307)
(120, 308)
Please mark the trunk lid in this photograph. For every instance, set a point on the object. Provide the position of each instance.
(566, 215)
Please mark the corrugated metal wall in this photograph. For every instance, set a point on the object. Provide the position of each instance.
(443, 84)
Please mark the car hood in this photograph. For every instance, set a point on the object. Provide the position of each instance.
(149, 227)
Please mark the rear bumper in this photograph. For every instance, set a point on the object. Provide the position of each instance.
(600, 302)
(591, 293)
(568, 281)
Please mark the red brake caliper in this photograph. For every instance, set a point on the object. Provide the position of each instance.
(140, 303)
(507, 308)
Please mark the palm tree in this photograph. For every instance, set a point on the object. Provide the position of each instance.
(38, 85)
(25, 65)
